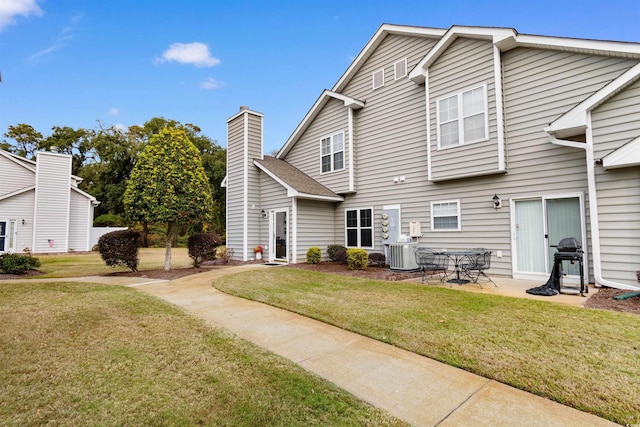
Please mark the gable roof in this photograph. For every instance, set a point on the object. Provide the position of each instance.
(25, 163)
(313, 112)
(627, 155)
(508, 38)
(297, 183)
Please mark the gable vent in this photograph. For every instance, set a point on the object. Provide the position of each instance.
(378, 78)
(400, 69)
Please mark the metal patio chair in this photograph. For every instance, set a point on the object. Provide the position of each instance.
(431, 262)
(475, 266)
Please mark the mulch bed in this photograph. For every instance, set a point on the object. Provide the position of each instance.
(603, 299)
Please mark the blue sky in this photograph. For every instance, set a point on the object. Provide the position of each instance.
(74, 62)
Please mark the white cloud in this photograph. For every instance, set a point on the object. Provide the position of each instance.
(189, 53)
(62, 40)
(211, 83)
(114, 111)
(9, 9)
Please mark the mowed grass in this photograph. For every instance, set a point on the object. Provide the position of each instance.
(76, 354)
(585, 358)
(90, 264)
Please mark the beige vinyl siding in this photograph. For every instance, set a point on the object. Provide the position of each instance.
(20, 207)
(52, 202)
(272, 196)
(615, 123)
(14, 177)
(80, 222)
(235, 186)
(466, 64)
(305, 155)
(315, 227)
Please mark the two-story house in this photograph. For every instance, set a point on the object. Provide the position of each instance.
(455, 138)
(41, 207)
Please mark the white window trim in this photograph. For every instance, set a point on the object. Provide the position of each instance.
(373, 79)
(461, 117)
(344, 159)
(439, 202)
(359, 228)
(395, 69)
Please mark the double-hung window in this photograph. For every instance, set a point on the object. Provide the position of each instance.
(445, 215)
(462, 118)
(332, 152)
(359, 228)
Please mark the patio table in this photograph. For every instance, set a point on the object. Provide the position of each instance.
(457, 257)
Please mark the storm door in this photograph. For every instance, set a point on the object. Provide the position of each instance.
(279, 245)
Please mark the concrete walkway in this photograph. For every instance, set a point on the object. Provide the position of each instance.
(413, 388)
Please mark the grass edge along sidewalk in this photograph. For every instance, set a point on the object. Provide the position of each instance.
(83, 354)
(585, 358)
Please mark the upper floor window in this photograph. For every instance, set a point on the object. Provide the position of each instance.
(359, 228)
(378, 78)
(400, 69)
(445, 215)
(332, 152)
(462, 118)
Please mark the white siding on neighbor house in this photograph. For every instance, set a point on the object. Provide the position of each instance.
(53, 178)
(80, 222)
(305, 155)
(315, 227)
(20, 207)
(14, 177)
(615, 123)
(466, 64)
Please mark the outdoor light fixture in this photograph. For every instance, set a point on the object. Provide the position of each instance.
(497, 203)
(263, 214)
(23, 221)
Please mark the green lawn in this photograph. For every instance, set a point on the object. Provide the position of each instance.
(585, 358)
(75, 354)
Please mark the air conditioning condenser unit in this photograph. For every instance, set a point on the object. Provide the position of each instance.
(401, 256)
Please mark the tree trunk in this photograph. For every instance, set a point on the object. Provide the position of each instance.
(145, 234)
(167, 254)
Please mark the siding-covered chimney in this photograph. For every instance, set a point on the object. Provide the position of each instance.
(244, 145)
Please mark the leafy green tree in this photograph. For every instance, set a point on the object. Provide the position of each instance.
(26, 138)
(168, 185)
(76, 142)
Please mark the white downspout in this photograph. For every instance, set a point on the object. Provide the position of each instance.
(352, 141)
(593, 207)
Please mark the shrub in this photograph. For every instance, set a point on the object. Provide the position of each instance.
(314, 254)
(225, 254)
(120, 248)
(203, 247)
(332, 252)
(18, 264)
(357, 259)
(341, 256)
(108, 220)
(377, 259)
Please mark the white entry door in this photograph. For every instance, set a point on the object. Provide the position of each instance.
(538, 225)
(279, 232)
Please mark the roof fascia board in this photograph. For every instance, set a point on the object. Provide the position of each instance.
(604, 47)
(87, 195)
(496, 35)
(292, 192)
(19, 160)
(625, 156)
(576, 118)
(376, 39)
(15, 193)
(313, 112)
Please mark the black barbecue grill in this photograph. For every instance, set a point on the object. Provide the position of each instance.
(569, 250)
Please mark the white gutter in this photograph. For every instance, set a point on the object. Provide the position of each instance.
(593, 206)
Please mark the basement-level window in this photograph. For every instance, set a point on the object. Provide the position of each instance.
(359, 228)
(332, 152)
(462, 118)
(445, 215)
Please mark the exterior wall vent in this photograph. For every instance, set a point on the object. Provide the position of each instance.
(378, 78)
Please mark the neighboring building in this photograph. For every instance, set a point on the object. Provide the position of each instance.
(459, 138)
(41, 207)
